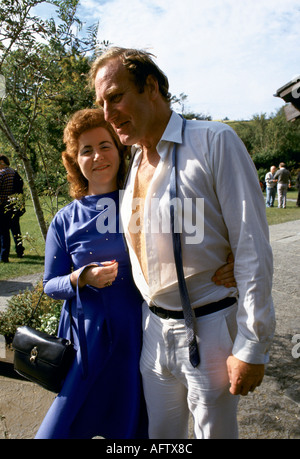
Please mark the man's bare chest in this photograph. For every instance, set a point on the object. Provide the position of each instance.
(143, 178)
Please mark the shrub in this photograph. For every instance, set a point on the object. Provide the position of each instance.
(20, 312)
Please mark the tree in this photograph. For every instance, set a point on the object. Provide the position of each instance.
(35, 60)
(271, 140)
(181, 101)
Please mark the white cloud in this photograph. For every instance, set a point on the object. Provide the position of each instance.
(228, 56)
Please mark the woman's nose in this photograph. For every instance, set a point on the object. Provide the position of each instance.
(98, 154)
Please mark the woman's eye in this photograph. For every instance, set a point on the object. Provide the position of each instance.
(105, 146)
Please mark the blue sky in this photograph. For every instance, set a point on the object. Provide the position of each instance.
(228, 56)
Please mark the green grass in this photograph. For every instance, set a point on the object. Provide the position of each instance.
(33, 261)
(276, 216)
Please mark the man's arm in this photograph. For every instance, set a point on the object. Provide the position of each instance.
(244, 216)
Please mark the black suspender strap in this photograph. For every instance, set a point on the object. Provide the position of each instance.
(188, 313)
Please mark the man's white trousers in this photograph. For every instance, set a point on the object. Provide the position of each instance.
(173, 388)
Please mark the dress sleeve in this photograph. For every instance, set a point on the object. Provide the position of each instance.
(243, 210)
(58, 263)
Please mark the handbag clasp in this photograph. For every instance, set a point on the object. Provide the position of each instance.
(33, 354)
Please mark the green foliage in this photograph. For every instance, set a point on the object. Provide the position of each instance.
(20, 310)
(16, 204)
(45, 65)
(33, 260)
(43, 88)
(261, 174)
(271, 140)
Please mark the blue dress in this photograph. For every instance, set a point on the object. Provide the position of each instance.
(102, 394)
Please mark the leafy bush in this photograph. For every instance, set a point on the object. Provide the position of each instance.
(20, 310)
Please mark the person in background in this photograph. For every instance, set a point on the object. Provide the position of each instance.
(235, 326)
(270, 187)
(12, 207)
(283, 177)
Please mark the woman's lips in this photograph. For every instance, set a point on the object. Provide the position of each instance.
(101, 168)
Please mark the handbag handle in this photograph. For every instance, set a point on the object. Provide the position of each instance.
(69, 309)
(37, 305)
(80, 317)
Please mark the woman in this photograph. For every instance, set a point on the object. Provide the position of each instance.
(107, 399)
(102, 394)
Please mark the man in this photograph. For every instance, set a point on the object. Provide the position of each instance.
(214, 168)
(10, 211)
(283, 177)
(271, 187)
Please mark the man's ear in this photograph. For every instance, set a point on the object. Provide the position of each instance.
(152, 86)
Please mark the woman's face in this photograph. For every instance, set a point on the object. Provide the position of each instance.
(99, 160)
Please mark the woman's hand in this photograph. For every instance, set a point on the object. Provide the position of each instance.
(96, 276)
(224, 275)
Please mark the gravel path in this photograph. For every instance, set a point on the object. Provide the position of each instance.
(272, 411)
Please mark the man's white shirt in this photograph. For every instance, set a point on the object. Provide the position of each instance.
(221, 209)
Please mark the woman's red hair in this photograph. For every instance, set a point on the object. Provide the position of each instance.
(82, 121)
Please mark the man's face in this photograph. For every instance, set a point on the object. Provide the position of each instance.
(2, 164)
(125, 108)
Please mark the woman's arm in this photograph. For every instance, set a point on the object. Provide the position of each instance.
(60, 281)
(58, 263)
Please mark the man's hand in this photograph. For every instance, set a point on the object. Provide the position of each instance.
(224, 275)
(244, 377)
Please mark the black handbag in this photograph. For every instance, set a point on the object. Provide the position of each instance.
(42, 358)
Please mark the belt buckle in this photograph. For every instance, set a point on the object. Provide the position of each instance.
(163, 315)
